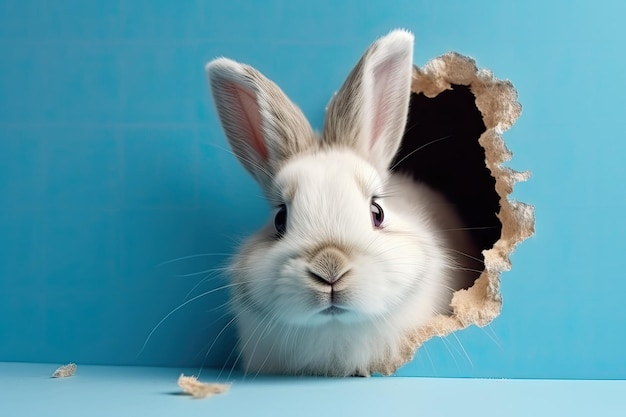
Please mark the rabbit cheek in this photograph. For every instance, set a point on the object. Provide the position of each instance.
(290, 295)
(384, 285)
(371, 302)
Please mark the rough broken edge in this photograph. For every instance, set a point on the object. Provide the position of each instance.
(190, 385)
(497, 102)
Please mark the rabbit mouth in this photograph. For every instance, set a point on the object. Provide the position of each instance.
(333, 311)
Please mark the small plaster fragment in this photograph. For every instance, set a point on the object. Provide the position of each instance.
(65, 371)
(190, 385)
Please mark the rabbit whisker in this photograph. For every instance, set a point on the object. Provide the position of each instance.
(209, 271)
(469, 228)
(462, 348)
(268, 326)
(226, 326)
(206, 278)
(466, 255)
(419, 149)
(168, 315)
(198, 255)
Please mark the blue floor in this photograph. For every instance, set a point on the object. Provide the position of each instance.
(28, 390)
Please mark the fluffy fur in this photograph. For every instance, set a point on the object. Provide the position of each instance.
(336, 294)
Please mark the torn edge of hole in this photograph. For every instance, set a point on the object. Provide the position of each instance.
(497, 102)
(65, 371)
(190, 385)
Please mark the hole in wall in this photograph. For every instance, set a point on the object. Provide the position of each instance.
(453, 143)
(440, 148)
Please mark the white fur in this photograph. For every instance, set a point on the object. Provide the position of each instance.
(393, 279)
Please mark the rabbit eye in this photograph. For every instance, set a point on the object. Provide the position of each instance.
(377, 214)
(280, 220)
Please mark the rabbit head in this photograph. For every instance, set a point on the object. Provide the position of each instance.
(344, 261)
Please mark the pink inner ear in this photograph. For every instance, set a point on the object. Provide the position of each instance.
(251, 118)
(381, 101)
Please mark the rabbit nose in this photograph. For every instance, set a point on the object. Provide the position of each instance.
(328, 266)
(325, 279)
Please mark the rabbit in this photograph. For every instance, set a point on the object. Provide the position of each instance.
(355, 258)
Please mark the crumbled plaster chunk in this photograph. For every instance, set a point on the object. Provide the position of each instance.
(190, 385)
(65, 371)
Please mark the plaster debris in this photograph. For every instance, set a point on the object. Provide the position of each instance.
(65, 371)
(190, 385)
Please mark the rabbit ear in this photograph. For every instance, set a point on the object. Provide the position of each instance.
(262, 125)
(370, 110)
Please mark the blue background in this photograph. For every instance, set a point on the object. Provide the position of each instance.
(112, 162)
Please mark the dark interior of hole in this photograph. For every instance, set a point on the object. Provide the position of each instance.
(452, 161)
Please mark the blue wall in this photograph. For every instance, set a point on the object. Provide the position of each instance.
(112, 162)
